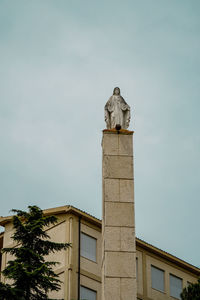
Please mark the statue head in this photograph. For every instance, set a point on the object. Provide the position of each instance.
(116, 91)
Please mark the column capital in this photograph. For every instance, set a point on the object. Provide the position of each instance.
(115, 131)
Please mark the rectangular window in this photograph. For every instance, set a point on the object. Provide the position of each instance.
(176, 286)
(136, 268)
(88, 247)
(157, 279)
(87, 294)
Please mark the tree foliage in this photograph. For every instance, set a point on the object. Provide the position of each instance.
(192, 292)
(32, 277)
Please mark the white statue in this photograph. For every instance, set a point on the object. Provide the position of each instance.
(117, 111)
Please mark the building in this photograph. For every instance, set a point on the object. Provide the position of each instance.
(160, 275)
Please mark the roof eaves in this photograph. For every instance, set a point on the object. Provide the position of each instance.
(98, 222)
(168, 256)
(59, 210)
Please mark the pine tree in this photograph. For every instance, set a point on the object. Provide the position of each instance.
(32, 277)
(192, 292)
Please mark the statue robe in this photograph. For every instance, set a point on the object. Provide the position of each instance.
(117, 112)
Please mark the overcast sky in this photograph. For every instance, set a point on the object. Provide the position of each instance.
(59, 63)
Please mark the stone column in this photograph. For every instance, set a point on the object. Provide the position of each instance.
(118, 225)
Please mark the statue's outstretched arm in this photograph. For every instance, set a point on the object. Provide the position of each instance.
(106, 114)
(107, 117)
(125, 106)
(128, 117)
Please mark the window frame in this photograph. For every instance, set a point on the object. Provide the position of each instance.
(164, 287)
(87, 288)
(175, 276)
(137, 269)
(94, 238)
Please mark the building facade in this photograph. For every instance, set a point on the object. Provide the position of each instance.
(160, 275)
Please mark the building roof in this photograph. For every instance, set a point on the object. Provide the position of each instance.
(57, 211)
(140, 243)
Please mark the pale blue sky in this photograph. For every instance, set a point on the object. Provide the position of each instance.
(59, 62)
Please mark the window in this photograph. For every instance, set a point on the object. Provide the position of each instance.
(175, 286)
(87, 294)
(136, 268)
(157, 279)
(88, 246)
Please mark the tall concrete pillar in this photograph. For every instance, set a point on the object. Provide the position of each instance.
(118, 226)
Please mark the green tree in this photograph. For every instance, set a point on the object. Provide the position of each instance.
(192, 292)
(32, 277)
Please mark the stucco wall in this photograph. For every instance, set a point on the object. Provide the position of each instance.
(66, 230)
